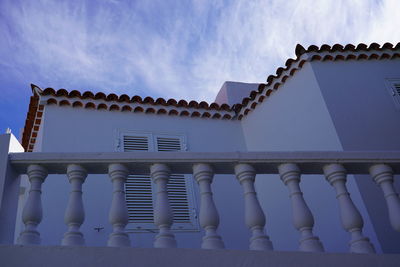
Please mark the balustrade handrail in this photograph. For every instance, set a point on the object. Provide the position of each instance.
(309, 162)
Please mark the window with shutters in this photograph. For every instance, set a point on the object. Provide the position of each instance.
(140, 191)
(393, 85)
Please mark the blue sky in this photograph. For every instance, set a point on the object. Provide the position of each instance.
(172, 49)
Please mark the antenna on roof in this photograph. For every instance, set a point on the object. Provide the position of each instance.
(8, 130)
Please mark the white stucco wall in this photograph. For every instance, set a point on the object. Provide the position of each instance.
(365, 116)
(83, 130)
(295, 118)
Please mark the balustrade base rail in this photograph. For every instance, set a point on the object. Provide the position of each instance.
(104, 257)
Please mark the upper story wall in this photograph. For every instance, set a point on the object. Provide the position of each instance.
(84, 130)
(366, 117)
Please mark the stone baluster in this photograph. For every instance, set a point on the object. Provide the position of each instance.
(75, 213)
(118, 216)
(163, 217)
(32, 212)
(351, 218)
(303, 219)
(254, 215)
(209, 218)
(383, 176)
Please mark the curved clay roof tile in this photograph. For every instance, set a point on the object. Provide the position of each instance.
(374, 46)
(102, 106)
(173, 112)
(245, 101)
(270, 78)
(253, 94)
(195, 114)
(203, 104)
(350, 47)
(114, 107)
(126, 108)
(289, 62)
(161, 111)
(184, 113)
(100, 95)
(124, 98)
(279, 71)
(312, 48)
(64, 103)
(62, 92)
(150, 110)
(149, 100)
(49, 91)
(206, 115)
(172, 101)
(216, 116)
(77, 104)
(112, 97)
(261, 87)
(74, 93)
(387, 46)
(214, 106)
(161, 101)
(138, 109)
(325, 47)
(362, 46)
(137, 98)
(397, 46)
(225, 107)
(87, 94)
(337, 47)
(90, 105)
(299, 50)
(193, 104)
(51, 101)
(315, 57)
(182, 103)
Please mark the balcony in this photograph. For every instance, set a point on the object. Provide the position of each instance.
(381, 166)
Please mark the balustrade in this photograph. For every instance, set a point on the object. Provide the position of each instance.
(162, 211)
(75, 213)
(349, 214)
(245, 166)
(254, 215)
(32, 213)
(118, 216)
(383, 176)
(303, 219)
(209, 218)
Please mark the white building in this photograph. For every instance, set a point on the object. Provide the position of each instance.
(345, 100)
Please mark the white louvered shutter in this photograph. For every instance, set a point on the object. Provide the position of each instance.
(140, 191)
(178, 186)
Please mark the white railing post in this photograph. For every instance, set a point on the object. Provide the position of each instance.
(32, 212)
(382, 174)
(75, 213)
(209, 218)
(254, 215)
(163, 216)
(118, 216)
(350, 216)
(303, 219)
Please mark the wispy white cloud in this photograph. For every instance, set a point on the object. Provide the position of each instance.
(180, 50)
